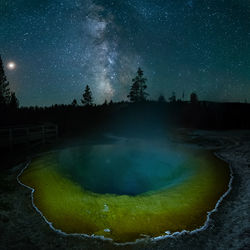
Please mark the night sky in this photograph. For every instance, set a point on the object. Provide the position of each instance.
(60, 46)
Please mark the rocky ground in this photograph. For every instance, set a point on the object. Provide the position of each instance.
(21, 227)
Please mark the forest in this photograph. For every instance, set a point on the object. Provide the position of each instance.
(136, 116)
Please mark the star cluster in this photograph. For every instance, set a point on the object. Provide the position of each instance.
(60, 46)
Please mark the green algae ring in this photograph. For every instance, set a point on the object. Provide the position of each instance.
(125, 193)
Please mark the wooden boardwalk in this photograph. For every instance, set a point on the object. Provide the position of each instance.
(27, 135)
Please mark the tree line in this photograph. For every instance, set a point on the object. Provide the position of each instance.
(137, 92)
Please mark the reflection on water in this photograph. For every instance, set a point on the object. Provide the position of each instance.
(123, 168)
(127, 190)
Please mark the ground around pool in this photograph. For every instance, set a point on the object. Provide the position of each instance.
(22, 228)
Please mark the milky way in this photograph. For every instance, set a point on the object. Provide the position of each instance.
(61, 46)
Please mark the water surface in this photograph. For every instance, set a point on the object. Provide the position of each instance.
(126, 191)
(124, 169)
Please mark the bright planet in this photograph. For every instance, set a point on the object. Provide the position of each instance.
(11, 65)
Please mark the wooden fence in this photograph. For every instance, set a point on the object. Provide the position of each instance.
(29, 135)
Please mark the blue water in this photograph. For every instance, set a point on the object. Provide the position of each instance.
(125, 169)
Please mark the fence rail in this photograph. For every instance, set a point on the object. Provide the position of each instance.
(31, 135)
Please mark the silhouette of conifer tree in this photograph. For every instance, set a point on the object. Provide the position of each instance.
(14, 103)
(4, 86)
(87, 96)
(74, 103)
(193, 98)
(137, 90)
(161, 98)
(172, 98)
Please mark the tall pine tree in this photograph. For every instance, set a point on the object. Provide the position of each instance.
(137, 91)
(172, 98)
(4, 87)
(74, 103)
(87, 97)
(193, 98)
(14, 103)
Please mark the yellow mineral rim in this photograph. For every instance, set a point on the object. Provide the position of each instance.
(125, 218)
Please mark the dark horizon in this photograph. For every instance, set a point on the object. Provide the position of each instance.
(128, 102)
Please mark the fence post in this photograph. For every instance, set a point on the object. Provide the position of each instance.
(56, 131)
(43, 134)
(10, 138)
(27, 136)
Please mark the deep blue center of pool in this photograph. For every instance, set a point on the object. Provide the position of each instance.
(124, 169)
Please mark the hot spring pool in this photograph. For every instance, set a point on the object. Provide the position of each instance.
(126, 191)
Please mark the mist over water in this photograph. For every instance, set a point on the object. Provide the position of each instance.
(125, 168)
